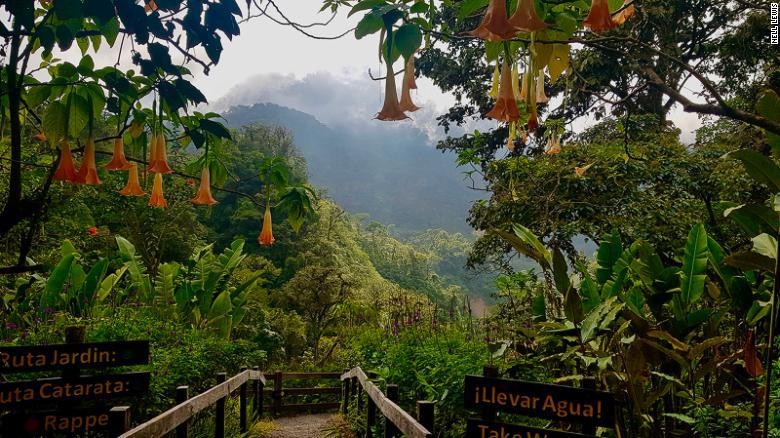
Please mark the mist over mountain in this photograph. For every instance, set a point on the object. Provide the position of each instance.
(391, 172)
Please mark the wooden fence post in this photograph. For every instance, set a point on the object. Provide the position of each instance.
(425, 415)
(589, 383)
(370, 416)
(119, 420)
(242, 404)
(257, 400)
(355, 391)
(489, 371)
(392, 394)
(219, 424)
(359, 389)
(277, 394)
(74, 334)
(345, 394)
(182, 394)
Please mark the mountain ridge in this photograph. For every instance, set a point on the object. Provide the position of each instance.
(389, 172)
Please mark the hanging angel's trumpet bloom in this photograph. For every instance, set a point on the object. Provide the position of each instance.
(266, 237)
(88, 170)
(118, 160)
(495, 26)
(150, 6)
(391, 108)
(406, 103)
(158, 197)
(541, 97)
(494, 85)
(626, 11)
(506, 106)
(132, 188)
(65, 170)
(204, 192)
(598, 19)
(410, 67)
(580, 171)
(524, 87)
(159, 163)
(525, 18)
(39, 136)
(533, 119)
(516, 81)
(553, 145)
(510, 140)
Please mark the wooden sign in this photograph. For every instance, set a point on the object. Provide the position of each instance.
(532, 399)
(73, 356)
(488, 429)
(82, 388)
(68, 423)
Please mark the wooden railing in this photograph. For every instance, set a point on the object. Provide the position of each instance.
(178, 416)
(279, 393)
(397, 421)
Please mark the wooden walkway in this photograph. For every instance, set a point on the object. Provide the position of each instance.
(302, 426)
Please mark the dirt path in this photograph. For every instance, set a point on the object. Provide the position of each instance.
(308, 426)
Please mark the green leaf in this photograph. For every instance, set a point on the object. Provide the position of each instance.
(765, 245)
(78, 114)
(572, 306)
(371, 23)
(215, 128)
(221, 306)
(760, 167)
(561, 272)
(56, 283)
(111, 31)
(55, 121)
(86, 66)
(365, 5)
(749, 261)
(89, 289)
(420, 7)
(67, 9)
(680, 417)
(408, 38)
(468, 7)
(694, 266)
(608, 253)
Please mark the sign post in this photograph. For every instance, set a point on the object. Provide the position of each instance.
(589, 407)
(47, 406)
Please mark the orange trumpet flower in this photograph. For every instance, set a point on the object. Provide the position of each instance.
(540, 96)
(159, 161)
(406, 103)
(506, 106)
(204, 192)
(65, 170)
(118, 160)
(525, 18)
(158, 198)
(495, 26)
(625, 12)
(412, 79)
(266, 237)
(510, 140)
(88, 170)
(132, 188)
(533, 119)
(494, 83)
(39, 136)
(598, 19)
(150, 6)
(391, 108)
